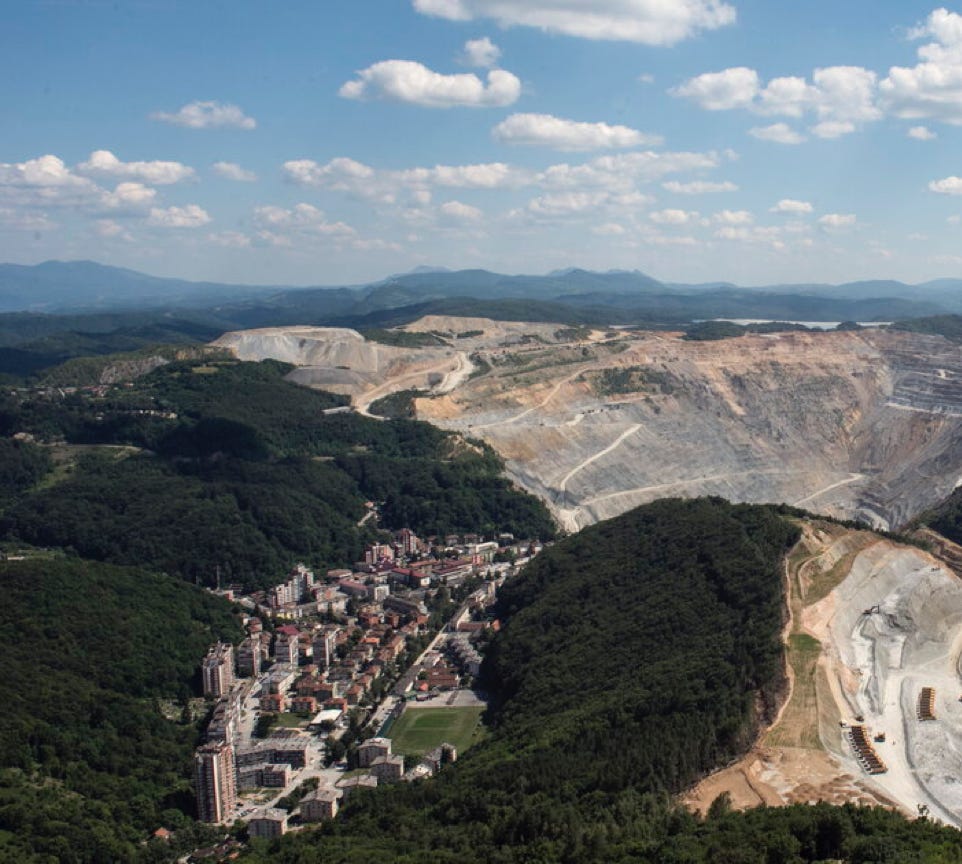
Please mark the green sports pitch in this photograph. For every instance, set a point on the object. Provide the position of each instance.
(419, 730)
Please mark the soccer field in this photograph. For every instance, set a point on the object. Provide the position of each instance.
(419, 730)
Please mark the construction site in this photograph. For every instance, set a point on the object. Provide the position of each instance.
(874, 711)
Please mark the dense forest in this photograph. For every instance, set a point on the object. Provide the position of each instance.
(949, 326)
(89, 761)
(213, 466)
(946, 518)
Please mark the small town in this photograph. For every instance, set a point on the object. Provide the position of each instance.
(301, 712)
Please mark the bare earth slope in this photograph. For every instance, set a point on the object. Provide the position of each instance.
(862, 423)
(873, 623)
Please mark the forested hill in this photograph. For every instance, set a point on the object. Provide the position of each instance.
(89, 763)
(214, 465)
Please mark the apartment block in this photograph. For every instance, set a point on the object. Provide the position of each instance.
(215, 782)
(217, 670)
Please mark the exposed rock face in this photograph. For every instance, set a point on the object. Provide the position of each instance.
(129, 370)
(857, 424)
(335, 359)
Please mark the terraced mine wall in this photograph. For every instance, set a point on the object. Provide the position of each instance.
(863, 424)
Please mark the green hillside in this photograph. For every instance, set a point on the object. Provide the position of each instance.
(89, 764)
(240, 471)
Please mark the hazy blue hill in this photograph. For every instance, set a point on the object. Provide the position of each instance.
(743, 303)
(106, 310)
(77, 285)
(63, 285)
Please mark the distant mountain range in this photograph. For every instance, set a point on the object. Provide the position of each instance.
(84, 286)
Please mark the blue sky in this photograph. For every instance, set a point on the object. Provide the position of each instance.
(328, 142)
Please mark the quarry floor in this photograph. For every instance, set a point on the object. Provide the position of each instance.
(844, 662)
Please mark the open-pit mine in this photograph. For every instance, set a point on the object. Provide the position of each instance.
(873, 712)
(862, 424)
(858, 424)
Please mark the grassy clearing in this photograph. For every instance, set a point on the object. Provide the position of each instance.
(65, 457)
(799, 724)
(811, 703)
(419, 730)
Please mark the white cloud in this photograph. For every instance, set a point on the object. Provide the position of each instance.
(302, 218)
(620, 172)
(335, 173)
(189, 216)
(414, 83)
(792, 206)
(625, 170)
(229, 240)
(721, 91)
(129, 197)
(672, 217)
(650, 22)
(779, 133)
(646, 78)
(45, 171)
(768, 236)
(608, 229)
(347, 175)
(838, 96)
(270, 238)
(933, 87)
(845, 94)
(954, 220)
(112, 230)
(207, 115)
(789, 97)
(833, 129)
(103, 163)
(921, 133)
(670, 240)
(698, 187)
(566, 203)
(843, 97)
(458, 210)
(544, 130)
(47, 182)
(733, 217)
(233, 171)
(837, 220)
(16, 220)
(44, 182)
(612, 184)
(488, 175)
(947, 186)
(480, 52)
